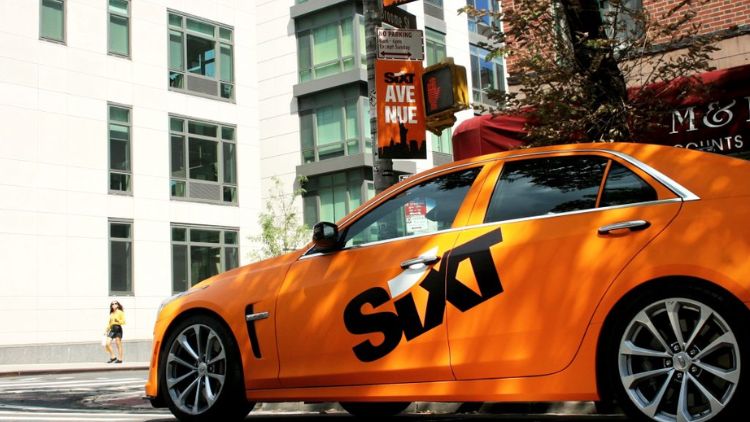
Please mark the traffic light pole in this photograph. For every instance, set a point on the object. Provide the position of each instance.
(382, 171)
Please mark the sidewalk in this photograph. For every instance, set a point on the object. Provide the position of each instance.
(65, 368)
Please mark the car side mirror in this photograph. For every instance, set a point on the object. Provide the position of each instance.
(325, 235)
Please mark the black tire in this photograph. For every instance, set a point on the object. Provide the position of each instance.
(665, 375)
(217, 372)
(379, 409)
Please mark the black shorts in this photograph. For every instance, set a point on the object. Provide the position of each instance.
(115, 331)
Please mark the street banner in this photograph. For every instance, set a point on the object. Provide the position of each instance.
(400, 109)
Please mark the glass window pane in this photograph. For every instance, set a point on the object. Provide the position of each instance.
(310, 211)
(175, 20)
(205, 262)
(201, 56)
(306, 130)
(225, 34)
(204, 129)
(176, 125)
(118, 35)
(340, 200)
(119, 155)
(325, 44)
(178, 188)
(232, 256)
(118, 6)
(230, 194)
(176, 80)
(178, 156)
(119, 182)
(625, 187)
(179, 234)
(119, 230)
(330, 125)
(175, 51)
(179, 268)
(203, 159)
(53, 20)
(230, 238)
(121, 266)
(230, 163)
(347, 38)
(119, 132)
(226, 63)
(351, 120)
(205, 236)
(355, 193)
(201, 27)
(303, 56)
(546, 186)
(227, 133)
(425, 208)
(227, 90)
(326, 205)
(119, 114)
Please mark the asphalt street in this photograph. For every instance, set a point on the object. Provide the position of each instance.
(118, 396)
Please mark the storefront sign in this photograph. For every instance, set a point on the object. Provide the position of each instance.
(400, 109)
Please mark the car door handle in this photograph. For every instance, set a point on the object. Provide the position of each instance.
(419, 262)
(633, 226)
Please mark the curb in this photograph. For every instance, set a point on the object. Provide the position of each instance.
(40, 369)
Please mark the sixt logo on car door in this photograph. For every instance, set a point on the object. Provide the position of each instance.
(442, 286)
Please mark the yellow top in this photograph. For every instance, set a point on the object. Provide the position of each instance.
(116, 318)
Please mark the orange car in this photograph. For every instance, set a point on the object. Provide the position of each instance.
(606, 272)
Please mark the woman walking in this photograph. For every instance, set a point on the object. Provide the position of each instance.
(114, 331)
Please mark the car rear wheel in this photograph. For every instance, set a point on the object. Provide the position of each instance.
(201, 374)
(677, 356)
(382, 409)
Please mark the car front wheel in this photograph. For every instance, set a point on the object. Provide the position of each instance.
(677, 356)
(201, 374)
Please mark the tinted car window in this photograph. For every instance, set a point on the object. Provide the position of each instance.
(425, 208)
(625, 187)
(546, 186)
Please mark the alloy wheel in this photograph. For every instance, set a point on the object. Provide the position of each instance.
(679, 361)
(196, 369)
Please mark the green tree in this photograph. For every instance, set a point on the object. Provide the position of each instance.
(282, 230)
(591, 70)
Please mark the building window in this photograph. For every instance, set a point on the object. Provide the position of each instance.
(119, 149)
(52, 20)
(620, 19)
(201, 252)
(119, 27)
(434, 8)
(203, 161)
(201, 57)
(335, 129)
(485, 24)
(120, 257)
(329, 43)
(442, 143)
(485, 75)
(330, 197)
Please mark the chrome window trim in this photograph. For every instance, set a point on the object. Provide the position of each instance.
(679, 190)
(493, 223)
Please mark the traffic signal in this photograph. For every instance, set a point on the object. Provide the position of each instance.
(445, 93)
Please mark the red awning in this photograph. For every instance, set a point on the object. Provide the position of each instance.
(486, 134)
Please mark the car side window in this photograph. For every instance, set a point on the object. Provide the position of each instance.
(543, 186)
(625, 187)
(428, 207)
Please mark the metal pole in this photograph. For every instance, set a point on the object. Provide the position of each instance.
(382, 171)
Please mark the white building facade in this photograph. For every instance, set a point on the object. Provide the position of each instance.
(138, 140)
